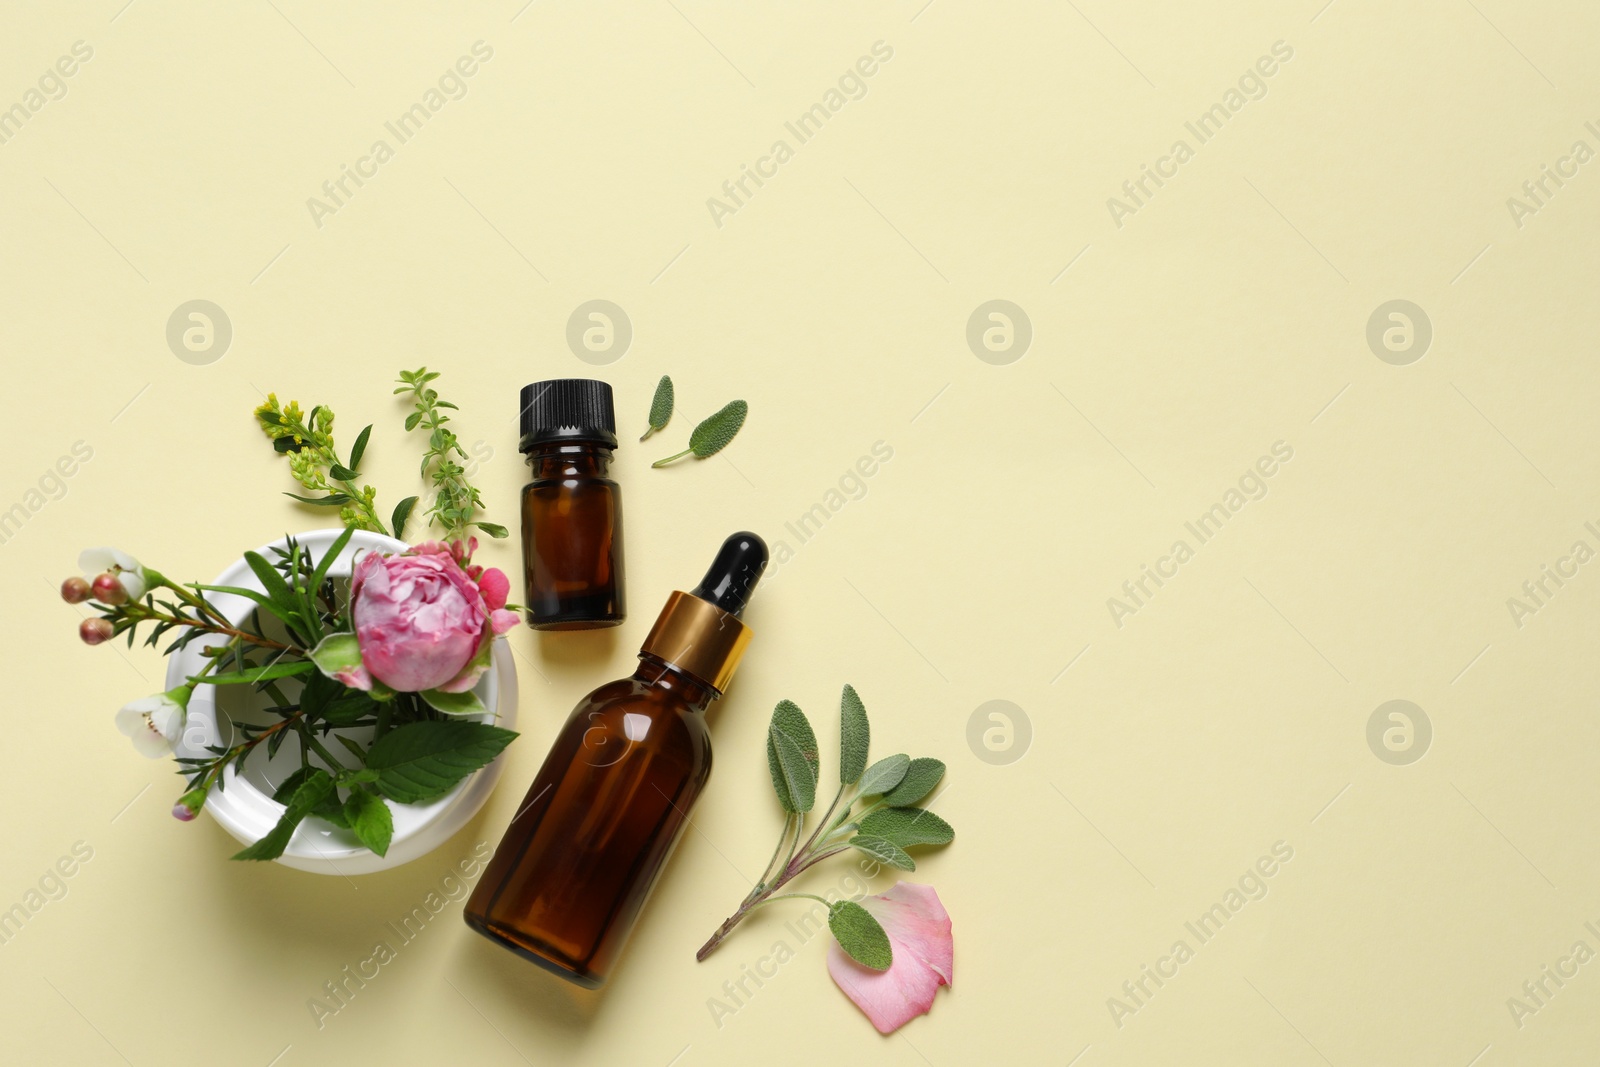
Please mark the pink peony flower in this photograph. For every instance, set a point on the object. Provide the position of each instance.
(924, 957)
(422, 620)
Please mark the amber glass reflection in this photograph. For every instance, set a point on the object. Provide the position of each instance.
(572, 538)
(589, 840)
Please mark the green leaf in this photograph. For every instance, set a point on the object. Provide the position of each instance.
(454, 703)
(799, 780)
(255, 674)
(923, 774)
(789, 720)
(717, 429)
(286, 444)
(907, 826)
(332, 809)
(660, 406)
(317, 785)
(320, 575)
(277, 589)
(291, 783)
(348, 707)
(859, 934)
(424, 760)
(341, 472)
(493, 529)
(358, 449)
(884, 851)
(402, 512)
(337, 652)
(332, 500)
(855, 735)
(884, 775)
(370, 819)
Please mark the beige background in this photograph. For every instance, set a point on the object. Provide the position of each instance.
(1168, 754)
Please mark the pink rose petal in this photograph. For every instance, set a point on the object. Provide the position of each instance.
(924, 957)
(495, 587)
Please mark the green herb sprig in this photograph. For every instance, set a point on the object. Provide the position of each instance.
(455, 501)
(307, 440)
(873, 812)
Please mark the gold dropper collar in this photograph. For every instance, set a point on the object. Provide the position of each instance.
(698, 638)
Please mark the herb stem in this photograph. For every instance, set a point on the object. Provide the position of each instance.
(669, 459)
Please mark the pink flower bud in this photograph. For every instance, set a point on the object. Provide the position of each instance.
(76, 590)
(94, 631)
(182, 813)
(108, 590)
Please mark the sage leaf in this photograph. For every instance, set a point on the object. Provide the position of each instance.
(493, 529)
(860, 935)
(855, 735)
(790, 721)
(799, 779)
(716, 430)
(884, 851)
(660, 406)
(424, 760)
(308, 794)
(884, 775)
(907, 826)
(370, 819)
(923, 774)
(332, 500)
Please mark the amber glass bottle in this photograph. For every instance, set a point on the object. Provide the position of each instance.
(587, 843)
(571, 510)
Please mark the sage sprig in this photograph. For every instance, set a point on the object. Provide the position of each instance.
(873, 812)
(660, 407)
(713, 433)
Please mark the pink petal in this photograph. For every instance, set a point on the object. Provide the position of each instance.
(924, 958)
(495, 587)
(501, 620)
(357, 677)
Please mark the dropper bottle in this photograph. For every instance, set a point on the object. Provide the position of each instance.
(587, 843)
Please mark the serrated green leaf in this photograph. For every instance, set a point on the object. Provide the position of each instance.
(424, 760)
(860, 935)
(311, 792)
(884, 775)
(370, 819)
(855, 736)
(359, 449)
(660, 406)
(923, 774)
(287, 787)
(884, 851)
(402, 513)
(907, 826)
(717, 429)
(788, 719)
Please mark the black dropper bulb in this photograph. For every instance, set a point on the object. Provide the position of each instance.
(733, 575)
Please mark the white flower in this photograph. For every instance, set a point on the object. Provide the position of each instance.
(93, 561)
(156, 723)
